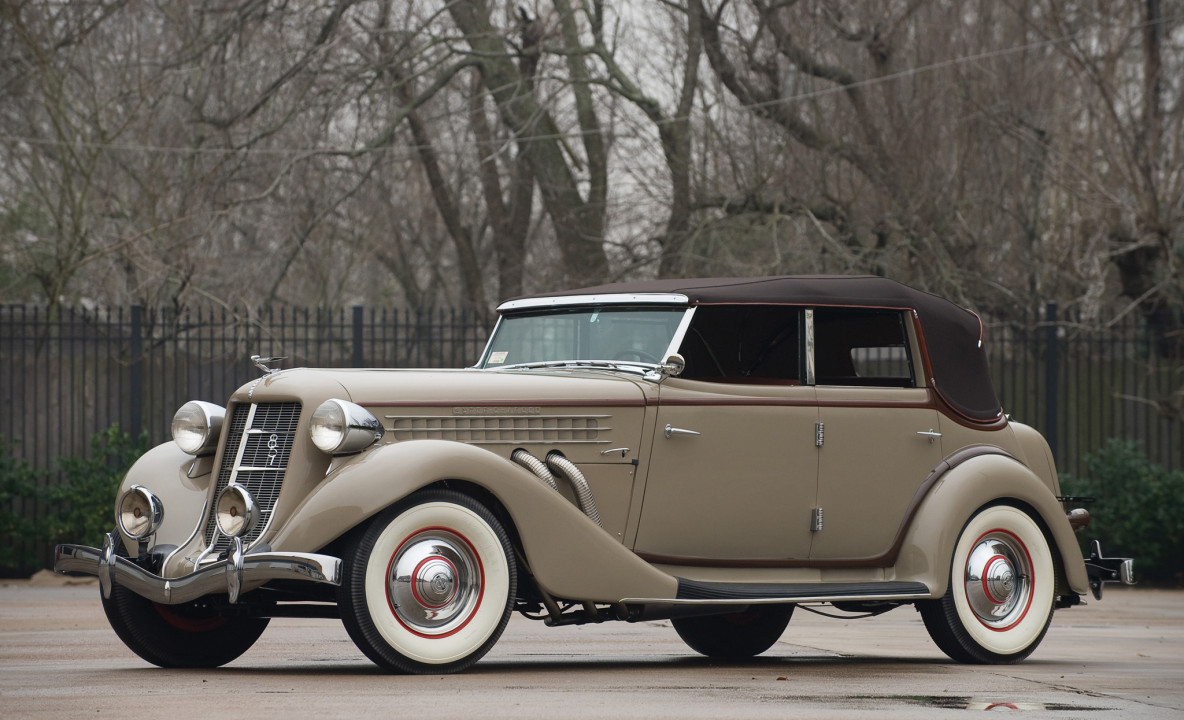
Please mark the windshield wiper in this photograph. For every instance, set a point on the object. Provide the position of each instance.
(641, 368)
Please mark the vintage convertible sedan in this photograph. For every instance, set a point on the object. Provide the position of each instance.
(715, 452)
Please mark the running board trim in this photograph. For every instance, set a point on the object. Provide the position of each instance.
(695, 592)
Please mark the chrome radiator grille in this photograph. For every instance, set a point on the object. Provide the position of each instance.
(258, 443)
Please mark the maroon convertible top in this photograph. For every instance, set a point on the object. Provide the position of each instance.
(952, 335)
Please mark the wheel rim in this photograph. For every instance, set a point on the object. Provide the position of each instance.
(434, 583)
(998, 580)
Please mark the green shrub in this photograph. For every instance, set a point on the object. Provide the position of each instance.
(18, 520)
(36, 514)
(86, 494)
(1139, 510)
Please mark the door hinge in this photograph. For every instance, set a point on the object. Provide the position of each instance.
(819, 433)
(815, 519)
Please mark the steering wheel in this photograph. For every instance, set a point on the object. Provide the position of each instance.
(639, 354)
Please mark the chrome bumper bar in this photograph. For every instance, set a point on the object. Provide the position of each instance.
(223, 576)
(1102, 570)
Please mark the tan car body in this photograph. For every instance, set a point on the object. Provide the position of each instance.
(573, 558)
(801, 440)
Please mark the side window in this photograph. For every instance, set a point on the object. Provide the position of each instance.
(862, 347)
(744, 344)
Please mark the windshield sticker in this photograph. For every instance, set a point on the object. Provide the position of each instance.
(595, 317)
(497, 358)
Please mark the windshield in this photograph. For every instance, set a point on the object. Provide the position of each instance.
(608, 334)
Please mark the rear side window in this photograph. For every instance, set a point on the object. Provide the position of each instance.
(862, 347)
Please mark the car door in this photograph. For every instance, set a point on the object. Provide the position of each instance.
(880, 430)
(732, 472)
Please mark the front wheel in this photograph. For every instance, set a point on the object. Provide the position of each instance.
(735, 636)
(429, 585)
(179, 636)
(1002, 590)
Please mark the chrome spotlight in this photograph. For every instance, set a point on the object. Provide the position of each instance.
(140, 512)
(237, 512)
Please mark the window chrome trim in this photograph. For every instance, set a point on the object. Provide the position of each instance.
(606, 299)
(488, 345)
(680, 332)
(810, 377)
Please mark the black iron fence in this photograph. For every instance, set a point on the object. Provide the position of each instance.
(1081, 384)
(67, 374)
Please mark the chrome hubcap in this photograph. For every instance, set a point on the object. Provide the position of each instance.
(434, 582)
(998, 580)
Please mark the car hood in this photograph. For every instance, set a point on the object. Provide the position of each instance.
(579, 412)
(401, 388)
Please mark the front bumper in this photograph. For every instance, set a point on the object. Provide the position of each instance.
(224, 576)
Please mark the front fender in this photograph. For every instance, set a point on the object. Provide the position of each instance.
(569, 555)
(928, 545)
(181, 482)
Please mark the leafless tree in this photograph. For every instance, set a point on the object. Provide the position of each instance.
(435, 153)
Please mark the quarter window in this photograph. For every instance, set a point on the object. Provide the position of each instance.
(862, 347)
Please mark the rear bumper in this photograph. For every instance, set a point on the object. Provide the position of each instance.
(1103, 570)
(224, 576)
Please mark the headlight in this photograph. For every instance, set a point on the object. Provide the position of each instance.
(236, 512)
(140, 512)
(339, 427)
(196, 426)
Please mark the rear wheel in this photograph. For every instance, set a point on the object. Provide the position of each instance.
(1002, 590)
(735, 635)
(179, 636)
(429, 585)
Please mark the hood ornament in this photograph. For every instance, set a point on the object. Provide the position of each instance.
(262, 363)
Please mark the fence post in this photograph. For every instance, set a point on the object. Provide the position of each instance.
(137, 369)
(1051, 378)
(357, 359)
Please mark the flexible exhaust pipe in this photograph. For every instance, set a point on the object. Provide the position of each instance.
(560, 464)
(536, 466)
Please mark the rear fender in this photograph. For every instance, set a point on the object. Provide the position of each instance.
(984, 479)
(569, 555)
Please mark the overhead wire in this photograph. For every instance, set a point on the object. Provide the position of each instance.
(408, 151)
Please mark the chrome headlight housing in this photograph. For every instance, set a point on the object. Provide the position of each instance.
(340, 427)
(140, 512)
(236, 511)
(196, 427)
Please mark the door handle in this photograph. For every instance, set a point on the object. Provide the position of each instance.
(930, 433)
(672, 431)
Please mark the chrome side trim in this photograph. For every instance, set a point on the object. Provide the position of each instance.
(606, 299)
(214, 579)
(820, 598)
(692, 592)
(810, 377)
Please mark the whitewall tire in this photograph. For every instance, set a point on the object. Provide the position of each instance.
(1002, 590)
(430, 584)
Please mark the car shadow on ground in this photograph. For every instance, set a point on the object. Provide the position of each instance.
(537, 667)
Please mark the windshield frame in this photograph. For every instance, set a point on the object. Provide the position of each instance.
(628, 302)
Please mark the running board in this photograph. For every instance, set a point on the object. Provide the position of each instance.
(711, 593)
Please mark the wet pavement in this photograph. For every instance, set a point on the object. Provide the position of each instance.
(1122, 657)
